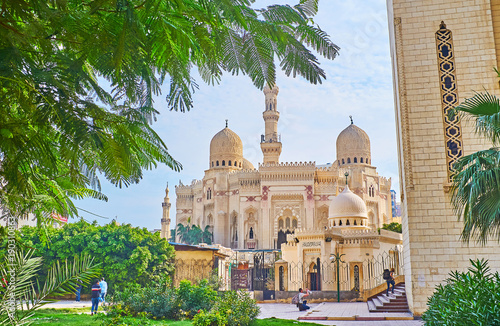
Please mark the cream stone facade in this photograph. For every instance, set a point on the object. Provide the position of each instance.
(442, 51)
(276, 204)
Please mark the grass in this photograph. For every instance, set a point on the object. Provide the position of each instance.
(77, 316)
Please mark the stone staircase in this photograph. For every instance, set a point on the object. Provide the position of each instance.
(393, 303)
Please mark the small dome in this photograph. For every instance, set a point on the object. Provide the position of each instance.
(353, 146)
(226, 149)
(247, 165)
(347, 204)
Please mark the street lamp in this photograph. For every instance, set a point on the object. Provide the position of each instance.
(337, 258)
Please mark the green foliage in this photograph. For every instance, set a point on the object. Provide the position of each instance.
(195, 297)
(128, 255)
(23, 294)
(476, 181)
(467, 298)
(157, 300)
(211, 318)
(394, 226)
(77, 82)
(238, 307)
(193, 234)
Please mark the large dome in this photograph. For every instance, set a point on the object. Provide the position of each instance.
(347, 204)
(226, 149)
(247, 165)
(353, 146)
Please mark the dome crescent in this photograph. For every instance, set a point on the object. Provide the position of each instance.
(353, 142)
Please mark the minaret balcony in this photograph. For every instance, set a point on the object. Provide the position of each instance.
(276, 138)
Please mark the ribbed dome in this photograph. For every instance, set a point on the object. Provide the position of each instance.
(247, 165)
(347, 204)
(226, 148)
(353, 146)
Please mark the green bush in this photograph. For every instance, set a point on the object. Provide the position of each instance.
(158, 300)
(239, 308)
(211, 318)
(470, 298)
(195, 297)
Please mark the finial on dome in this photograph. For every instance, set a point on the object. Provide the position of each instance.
(166, 190)
(226, 123)
(442, 25)
(351, 119)
(346, 175)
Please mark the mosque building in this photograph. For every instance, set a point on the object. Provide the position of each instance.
(266, 207)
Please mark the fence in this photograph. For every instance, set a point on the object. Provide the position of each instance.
(322, 276)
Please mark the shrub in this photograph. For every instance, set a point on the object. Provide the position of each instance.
(211, 318)
(196, 297)
(467, 298)
(158, 300)
(238, 307)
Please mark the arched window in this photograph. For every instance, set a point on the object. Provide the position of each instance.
(294, 223)
(348, 160)
(229, 163)
(223, 163)
(334, 223)
(355, 160)
(287, 224)
(250, 236)
(347, 222)
(212, 164)
(361, 160)
(217, 163)
(236, 163)
(367, 161)
(240, 164)
(280, 224)
(343, 161)
(371, 191)
(340, 223)
(355, 222)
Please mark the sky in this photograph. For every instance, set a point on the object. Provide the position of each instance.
(358, 83)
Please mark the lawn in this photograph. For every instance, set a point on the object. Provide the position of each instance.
(76, 316)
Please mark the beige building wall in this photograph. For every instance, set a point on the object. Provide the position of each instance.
(430, 229)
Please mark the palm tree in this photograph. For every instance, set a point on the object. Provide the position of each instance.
(193, 234)
(475, 191)
(21, 295)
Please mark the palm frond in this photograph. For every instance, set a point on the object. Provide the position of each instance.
(24, 292)
(474, 194)
(484, 110)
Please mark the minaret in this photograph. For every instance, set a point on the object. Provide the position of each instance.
(270, 142)
(165, 221)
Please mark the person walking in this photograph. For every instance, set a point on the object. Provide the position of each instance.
(96, 292)
(390, 281)
(104, 290)
(302, 303)
(78, 290)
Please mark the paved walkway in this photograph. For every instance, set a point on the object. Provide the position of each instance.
(340, 314)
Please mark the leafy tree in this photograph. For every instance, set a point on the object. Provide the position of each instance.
(20, 297)
(476, 182)
(193, 234)
(127, 254)
(78, 78)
